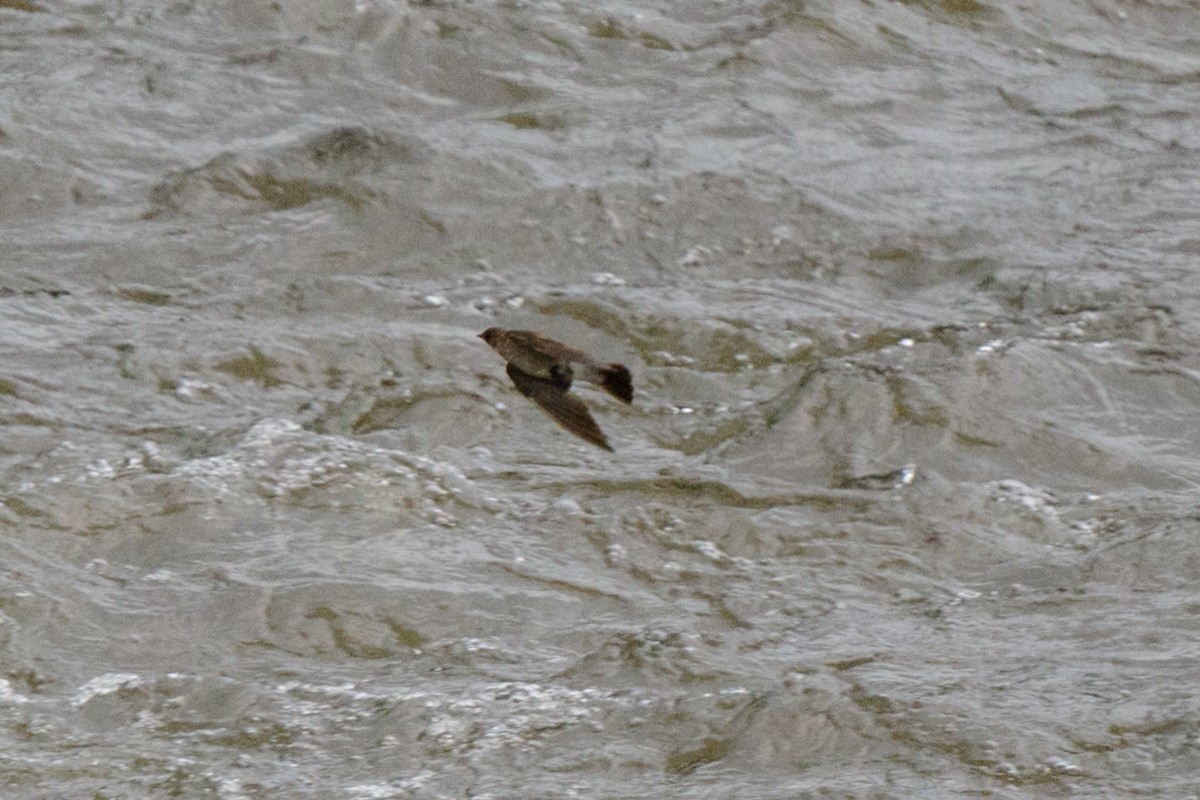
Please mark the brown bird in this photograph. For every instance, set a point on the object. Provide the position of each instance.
(543, 370)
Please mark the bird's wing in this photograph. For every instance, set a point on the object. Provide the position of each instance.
(552, 347)
(567, 410)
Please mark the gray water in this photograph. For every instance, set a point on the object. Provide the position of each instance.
(905, 505)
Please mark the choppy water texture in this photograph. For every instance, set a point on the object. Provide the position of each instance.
(906, 502)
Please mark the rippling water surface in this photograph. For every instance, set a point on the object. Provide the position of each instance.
(905, 505)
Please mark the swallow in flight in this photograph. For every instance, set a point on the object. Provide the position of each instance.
(543, 371)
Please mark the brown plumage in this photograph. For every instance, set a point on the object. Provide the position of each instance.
(543, 370)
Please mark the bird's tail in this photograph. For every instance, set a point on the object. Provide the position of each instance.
(617, 381)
